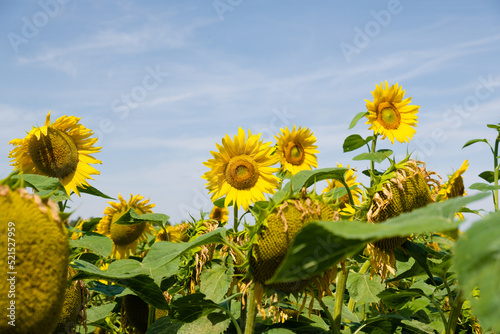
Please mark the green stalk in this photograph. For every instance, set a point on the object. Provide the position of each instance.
(236, 221)
(339, 296)
(363, 270)
(334, 328)
(495, 171)
(372, 163)
(454, 314)
(151, 315)
(251, 311)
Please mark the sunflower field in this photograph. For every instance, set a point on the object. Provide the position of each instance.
(306, 250)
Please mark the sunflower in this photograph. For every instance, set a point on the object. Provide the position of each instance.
(62, 149)
(390, 115)
(175, 233)
(297, 149)
(241, 170)
(219, 214)
(454, 187)
(125, 237)
(350, 180)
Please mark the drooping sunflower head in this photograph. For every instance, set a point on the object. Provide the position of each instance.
(350, 180)
(125, 237)
(277, 232)
(390, 114)
(296, 149)
(454, 187)
(241, 170)
(176, 233)
(219, 214)
(41, 261)
(61, 149)
(404, 189)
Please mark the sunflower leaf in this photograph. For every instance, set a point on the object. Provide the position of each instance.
(478, 266)
(494, 126)
(88, 189)
(488, 176)
(132, 217)
(320, 245)
(356, 118)
(473, 141)
(362, 289)
(44, 186)
(353, 142)
(483, 186)
(98, 243)
(378, 156)
(306, 178)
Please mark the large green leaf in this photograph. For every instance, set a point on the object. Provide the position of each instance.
(477, 264)
(473, 141)
(162, 253)
(320, 245)
(378, 156)
(362, 289)
(93, 191)
(357, 117)
(95, 242)
(44, 186)
(215, 281)
(483, 186)
(306, 178)
(132, 217)
(488, 176)
(191, 307)
(96, 313)
(355, 141)
(127, 273)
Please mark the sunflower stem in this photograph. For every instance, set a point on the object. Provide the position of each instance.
(151, 315)
(251, 310)
(236, 221)
(339, 296)
(372, 163)
(455, 313)
(495, 172)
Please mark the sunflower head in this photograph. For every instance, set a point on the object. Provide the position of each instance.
(125, 237)
(276, 234)
(350, 180)
(406, 188)
(176, 233)
(241, 170)
(42, 253)
(454, 187)
(219, 214)
(296, 149)
(61, 149)
(390, 115)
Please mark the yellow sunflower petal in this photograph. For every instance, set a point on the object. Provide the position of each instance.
(390, 115)
(61, 149)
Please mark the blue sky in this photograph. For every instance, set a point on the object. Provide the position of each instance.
(160, 82)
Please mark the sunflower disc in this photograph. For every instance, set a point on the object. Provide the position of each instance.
(35, 300)
(283, 223)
